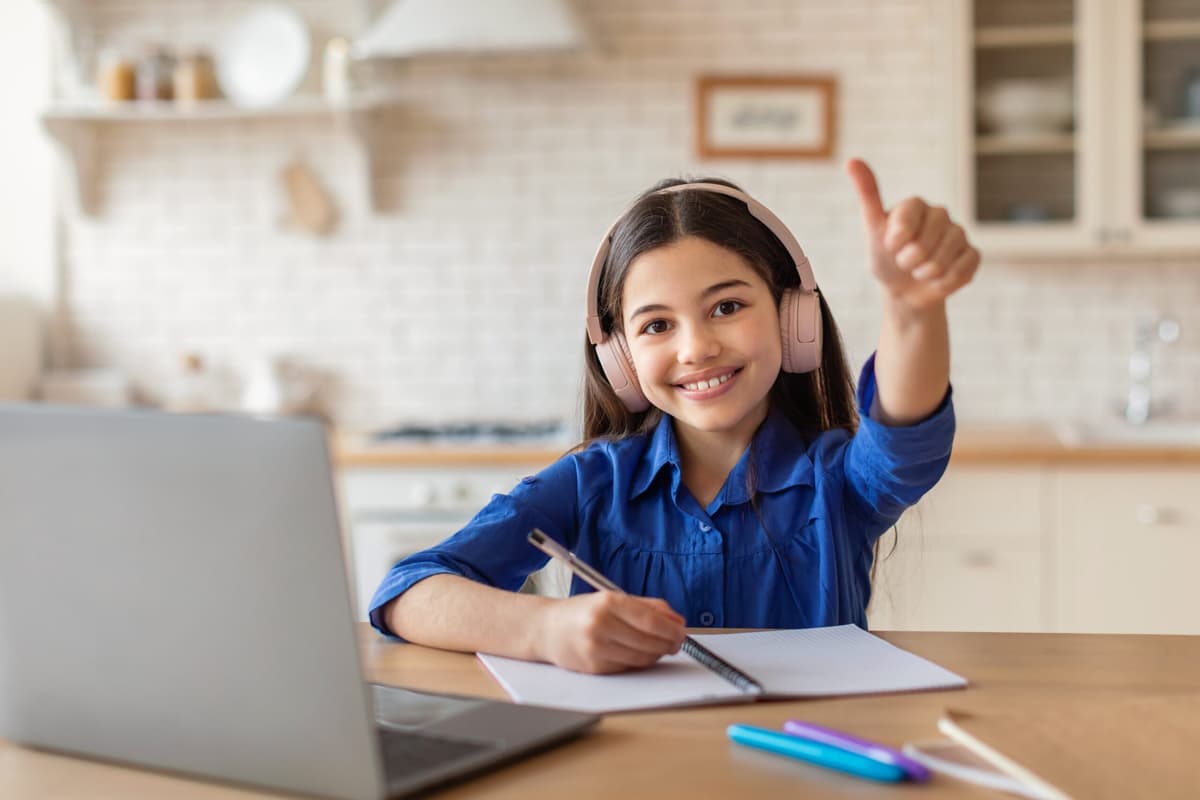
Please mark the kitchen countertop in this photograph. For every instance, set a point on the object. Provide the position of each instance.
(1027, 444)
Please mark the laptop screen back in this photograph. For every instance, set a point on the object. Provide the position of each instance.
(167, 598)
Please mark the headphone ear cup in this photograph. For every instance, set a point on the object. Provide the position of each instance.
(617, 364)
(800, 330)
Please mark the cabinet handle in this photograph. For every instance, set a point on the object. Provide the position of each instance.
(1151, 514)
(423, 494)
(979, 559)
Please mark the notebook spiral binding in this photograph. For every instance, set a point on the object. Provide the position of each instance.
(720, 666)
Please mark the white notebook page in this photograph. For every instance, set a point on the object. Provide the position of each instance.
(816, 662)
(674, 680)
(792, 663)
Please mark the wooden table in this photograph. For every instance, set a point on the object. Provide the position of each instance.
(684, 753)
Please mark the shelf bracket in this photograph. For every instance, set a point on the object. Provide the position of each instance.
(76, 145)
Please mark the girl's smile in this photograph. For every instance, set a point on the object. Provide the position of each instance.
(710, 384)
(703, 330)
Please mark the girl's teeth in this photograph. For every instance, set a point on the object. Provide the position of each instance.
(695, 387)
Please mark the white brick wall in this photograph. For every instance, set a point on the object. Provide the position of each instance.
(463, 297)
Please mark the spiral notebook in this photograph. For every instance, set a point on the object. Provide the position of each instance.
(811, 662)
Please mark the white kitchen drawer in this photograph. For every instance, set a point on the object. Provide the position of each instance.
(980, 584)
(1004, 503)
(1128, 546)
(968, 556)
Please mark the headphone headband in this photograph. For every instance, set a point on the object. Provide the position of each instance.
(808, 283)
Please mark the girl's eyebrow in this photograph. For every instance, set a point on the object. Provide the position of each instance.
(714, 289)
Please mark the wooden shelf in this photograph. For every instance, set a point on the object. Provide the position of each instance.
(136, 111)
(1176, 137)
(1024, 36)
(1032, 144)
(1171, 30)
(73, 126)
(73, 122)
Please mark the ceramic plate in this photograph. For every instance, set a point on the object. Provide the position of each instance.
(263, 57)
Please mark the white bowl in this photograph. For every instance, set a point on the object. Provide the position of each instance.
(263, 57)
(1025, 107)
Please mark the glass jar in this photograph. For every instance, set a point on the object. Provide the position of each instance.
(195, 77)
(155, 79)
(118, 77)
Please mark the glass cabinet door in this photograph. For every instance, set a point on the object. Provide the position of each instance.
(1027, 138)
(1170, 114)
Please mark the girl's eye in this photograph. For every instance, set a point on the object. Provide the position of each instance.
(726, 307)
(656, 326)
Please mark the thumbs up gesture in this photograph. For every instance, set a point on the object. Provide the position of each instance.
(917, 253)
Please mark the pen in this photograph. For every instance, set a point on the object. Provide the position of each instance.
(814, 752)
(594, 578)
(879, 752)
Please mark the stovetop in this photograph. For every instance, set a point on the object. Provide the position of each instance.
(477, 432)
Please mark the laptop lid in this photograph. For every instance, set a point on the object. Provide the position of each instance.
(166, 598)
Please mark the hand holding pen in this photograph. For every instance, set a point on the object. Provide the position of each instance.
(612, 594)
(603, 632)
(607, 631)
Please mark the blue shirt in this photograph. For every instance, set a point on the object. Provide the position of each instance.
(801, 559)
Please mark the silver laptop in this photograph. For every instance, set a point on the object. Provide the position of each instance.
(173, 594)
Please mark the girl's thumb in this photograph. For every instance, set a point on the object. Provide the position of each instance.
(873, 215)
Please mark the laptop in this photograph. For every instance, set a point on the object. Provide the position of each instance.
(173, 594)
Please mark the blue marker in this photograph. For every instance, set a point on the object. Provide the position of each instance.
(819, 753)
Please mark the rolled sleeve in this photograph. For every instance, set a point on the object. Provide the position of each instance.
(890, 468)
(492, 548)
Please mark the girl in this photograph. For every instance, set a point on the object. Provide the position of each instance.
(726, 479)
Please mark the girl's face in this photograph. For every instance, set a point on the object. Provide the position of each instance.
(703, 330)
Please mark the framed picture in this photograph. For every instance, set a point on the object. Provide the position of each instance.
(764, 116)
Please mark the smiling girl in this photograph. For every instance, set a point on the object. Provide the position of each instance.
(730, 476)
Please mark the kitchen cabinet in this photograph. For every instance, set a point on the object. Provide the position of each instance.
(1052, 547)
(968, 557)
(1078, 125)
(1127, 546)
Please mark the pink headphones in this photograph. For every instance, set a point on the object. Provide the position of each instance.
(799, 309)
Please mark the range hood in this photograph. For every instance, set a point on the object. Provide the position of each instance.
(419, 27)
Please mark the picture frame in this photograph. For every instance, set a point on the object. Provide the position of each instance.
(765, 116)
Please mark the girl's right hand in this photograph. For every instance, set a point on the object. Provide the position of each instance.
(603, 632)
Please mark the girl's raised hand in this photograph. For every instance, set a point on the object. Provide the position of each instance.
(603, 632)
(917, 252)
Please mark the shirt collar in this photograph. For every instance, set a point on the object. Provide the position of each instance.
(660, 451)
(779, 451)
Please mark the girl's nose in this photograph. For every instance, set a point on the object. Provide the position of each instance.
(697, 344)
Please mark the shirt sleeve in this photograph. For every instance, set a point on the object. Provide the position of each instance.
(889, 468)
(492, 548)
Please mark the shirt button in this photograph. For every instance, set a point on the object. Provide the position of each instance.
(707, 618)
(704, 526)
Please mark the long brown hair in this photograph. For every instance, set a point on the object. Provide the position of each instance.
(815, 401)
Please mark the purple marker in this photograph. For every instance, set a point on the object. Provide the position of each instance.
(882, 753)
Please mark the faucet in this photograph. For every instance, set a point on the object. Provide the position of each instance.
(1146, 331)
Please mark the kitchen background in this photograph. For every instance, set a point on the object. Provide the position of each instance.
(409, 237)
(459, 293)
